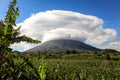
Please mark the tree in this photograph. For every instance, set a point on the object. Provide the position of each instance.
(10, 35)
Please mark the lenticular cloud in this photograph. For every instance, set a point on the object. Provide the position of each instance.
(60, 24)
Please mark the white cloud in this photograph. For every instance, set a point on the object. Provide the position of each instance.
(65, 33)
(57, 24)
(22, 46)
(112, 45)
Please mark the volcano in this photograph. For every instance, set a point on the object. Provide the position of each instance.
(63, 45)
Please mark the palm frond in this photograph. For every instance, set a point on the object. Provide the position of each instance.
(25, 39)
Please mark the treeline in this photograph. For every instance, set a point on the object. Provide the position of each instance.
(104, 54)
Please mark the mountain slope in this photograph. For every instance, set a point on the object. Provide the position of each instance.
(62, 45)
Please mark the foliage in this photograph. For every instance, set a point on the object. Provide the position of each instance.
(9, 34)
(20, 70)
(68, 65)
(42, 71)
(79, 66)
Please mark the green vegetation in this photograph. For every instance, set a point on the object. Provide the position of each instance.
(9, 34)
(76, 65)
(68, 65)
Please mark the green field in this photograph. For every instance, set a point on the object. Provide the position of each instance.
(76, 65)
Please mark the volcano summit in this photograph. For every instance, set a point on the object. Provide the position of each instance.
(63, 45)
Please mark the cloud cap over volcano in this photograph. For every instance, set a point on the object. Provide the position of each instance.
(61, 24)
(66, 24)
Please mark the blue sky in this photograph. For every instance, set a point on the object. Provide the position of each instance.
(107, 10)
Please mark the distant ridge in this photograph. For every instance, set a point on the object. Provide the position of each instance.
(63, 45)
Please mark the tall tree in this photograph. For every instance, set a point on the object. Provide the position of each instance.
(9, 34)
